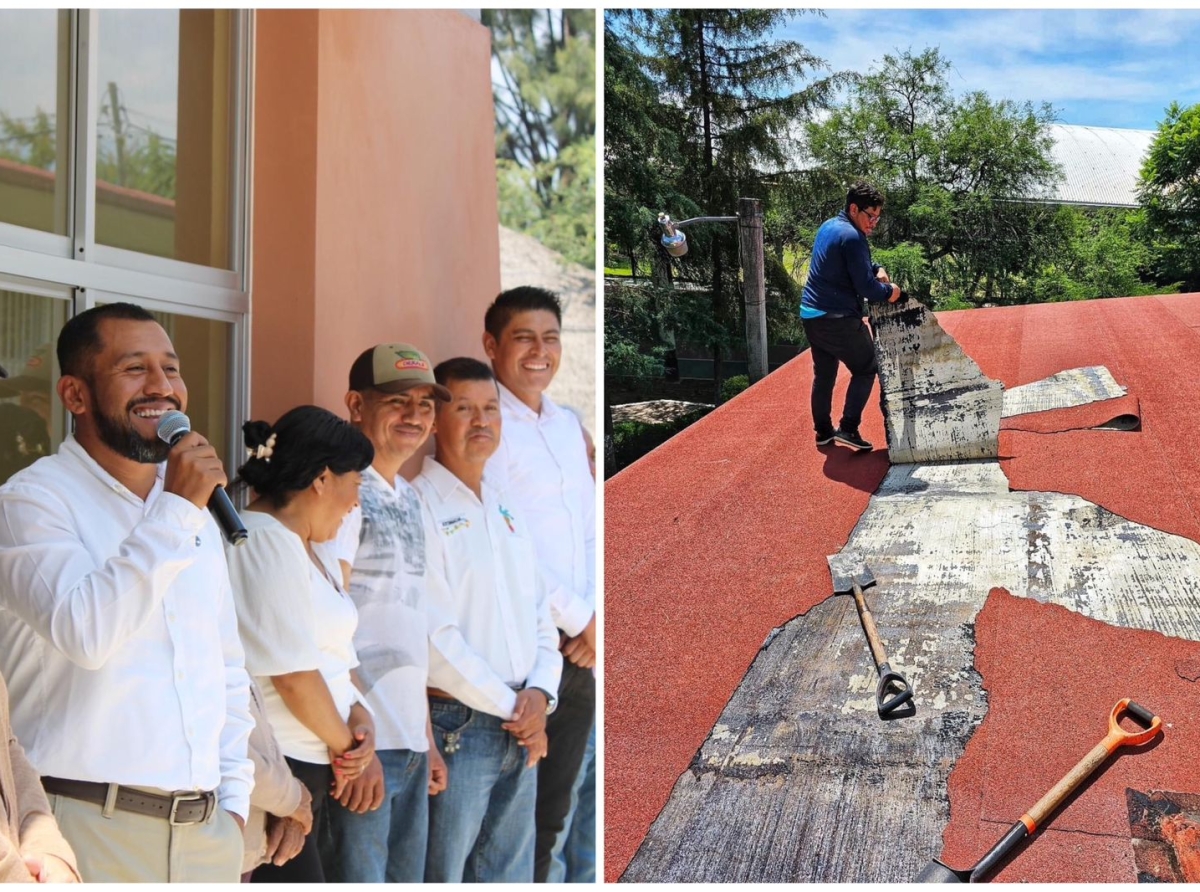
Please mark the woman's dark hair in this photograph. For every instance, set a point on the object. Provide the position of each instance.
(308, 439)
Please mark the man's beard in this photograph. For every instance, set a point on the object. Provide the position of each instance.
(119, 435)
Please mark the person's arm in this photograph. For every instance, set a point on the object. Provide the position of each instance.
(439, 775)
(547, 665)
(307, 697)
(237, 770)
(42, 853)
(862, 272)
(276, 790)
(89, 611)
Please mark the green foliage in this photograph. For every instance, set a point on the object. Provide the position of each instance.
(698, 105)
(952, 170)
(32, 144)
(633, 439)
(546, 125)
(731, 387)
(1169, 192)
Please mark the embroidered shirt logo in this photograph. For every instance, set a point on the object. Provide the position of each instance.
(454, 524)
(508, 519)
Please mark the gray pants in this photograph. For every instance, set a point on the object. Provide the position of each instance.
(132, 848)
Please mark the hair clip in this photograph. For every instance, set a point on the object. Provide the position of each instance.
(264, 451)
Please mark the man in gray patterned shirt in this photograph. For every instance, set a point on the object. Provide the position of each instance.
(381, 832)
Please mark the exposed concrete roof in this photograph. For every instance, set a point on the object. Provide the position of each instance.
(717, 541)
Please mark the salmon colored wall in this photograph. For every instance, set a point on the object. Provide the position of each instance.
(284, 226)
(401, 203)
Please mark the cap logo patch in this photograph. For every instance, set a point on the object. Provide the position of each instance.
(411, 361)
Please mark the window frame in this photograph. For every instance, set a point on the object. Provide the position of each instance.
(76, 268)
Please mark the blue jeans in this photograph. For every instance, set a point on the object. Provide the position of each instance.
(573, 858)
(388, 844)
(481, 827)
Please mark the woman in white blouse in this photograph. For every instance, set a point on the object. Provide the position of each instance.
(295, 620)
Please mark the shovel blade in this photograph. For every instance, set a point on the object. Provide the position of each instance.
(937, 872)
(848, 569)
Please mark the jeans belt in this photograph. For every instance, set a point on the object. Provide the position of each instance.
(181, 808)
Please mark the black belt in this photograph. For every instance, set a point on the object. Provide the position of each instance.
(181, 808)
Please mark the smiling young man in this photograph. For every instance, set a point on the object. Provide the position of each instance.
(118, 635)
(542, 461)
(840, 276)
(391, 399)
(494, 661)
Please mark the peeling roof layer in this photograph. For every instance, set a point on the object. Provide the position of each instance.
(720, 536)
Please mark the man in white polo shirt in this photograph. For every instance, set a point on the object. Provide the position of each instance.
(118, 636)
(542, 461)
(494, 661)
(391, 399)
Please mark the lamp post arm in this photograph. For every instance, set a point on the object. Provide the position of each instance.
(691, 220)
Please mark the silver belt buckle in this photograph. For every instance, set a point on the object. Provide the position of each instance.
(191, 797)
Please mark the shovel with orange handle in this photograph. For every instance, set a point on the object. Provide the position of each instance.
(937, 872)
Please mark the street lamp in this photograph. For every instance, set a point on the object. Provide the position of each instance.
(750, 249)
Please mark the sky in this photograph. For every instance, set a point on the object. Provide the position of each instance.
(138, 51)
(1096, 67)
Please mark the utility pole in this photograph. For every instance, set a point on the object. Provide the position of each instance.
(754, 288)
(749, 222)
(114, 105)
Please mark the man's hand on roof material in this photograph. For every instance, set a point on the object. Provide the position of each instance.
(897, 295)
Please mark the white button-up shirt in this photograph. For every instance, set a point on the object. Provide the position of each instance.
(489, 624)
(118, 636)
(542, 464)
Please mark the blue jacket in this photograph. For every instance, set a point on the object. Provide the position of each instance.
(840, 272)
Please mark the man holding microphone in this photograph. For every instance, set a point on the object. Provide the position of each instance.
(118, 635)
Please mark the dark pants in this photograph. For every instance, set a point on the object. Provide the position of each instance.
(848, 341)
(305, 867)
(567, 729)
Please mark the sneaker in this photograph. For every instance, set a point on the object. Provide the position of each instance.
(851, 438)
(825, 439)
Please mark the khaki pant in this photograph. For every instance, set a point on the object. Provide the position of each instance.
(132, 848)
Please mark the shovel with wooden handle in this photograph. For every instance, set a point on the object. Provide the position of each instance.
(937, 872)
(893, 694)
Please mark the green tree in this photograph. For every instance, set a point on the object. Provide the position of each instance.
(546, 125)
(956, 172)
(729, 92)
(29, 143)
(1169, 192)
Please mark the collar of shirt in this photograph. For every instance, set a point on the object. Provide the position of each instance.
(510, 402)
(395, 485)
(444, 482)
(72, 449)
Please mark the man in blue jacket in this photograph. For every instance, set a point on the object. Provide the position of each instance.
(840, 276)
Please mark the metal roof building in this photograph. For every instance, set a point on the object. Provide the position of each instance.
(1100, 164)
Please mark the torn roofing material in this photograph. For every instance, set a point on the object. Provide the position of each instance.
(799, 766)
(720, 535)
(937, 404)
(1073, 387)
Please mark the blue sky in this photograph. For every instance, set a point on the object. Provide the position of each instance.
(1104, 68)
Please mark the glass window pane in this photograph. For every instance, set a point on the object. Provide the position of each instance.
(31, 416)
(34, 118)
(164, 142)
(205, 358)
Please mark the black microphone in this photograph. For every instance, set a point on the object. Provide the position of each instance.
(171, 427)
